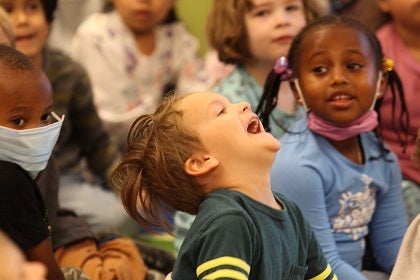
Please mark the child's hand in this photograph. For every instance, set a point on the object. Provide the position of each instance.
(34, 271)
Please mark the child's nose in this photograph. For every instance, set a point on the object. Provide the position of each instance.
(19, 16)
(245, 106)
(339, 75)
(281, 17)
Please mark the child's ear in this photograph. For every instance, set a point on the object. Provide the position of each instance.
(200, 164)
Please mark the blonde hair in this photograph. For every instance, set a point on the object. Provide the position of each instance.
(226, 29)
(151, 178)
(6, 26)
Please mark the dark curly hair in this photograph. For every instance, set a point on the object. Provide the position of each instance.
(49, 9)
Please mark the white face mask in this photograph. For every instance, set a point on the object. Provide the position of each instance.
(29, 148)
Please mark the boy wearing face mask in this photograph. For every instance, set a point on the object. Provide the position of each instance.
(27, 137)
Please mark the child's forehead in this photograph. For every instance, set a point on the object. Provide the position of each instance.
(201, 100)
(196, 105)
(18, 82)
(330, 36)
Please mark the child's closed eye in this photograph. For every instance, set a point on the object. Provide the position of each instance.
(221, 112)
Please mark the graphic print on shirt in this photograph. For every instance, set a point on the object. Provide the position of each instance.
(356, 211)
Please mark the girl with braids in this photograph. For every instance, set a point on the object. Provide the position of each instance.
(333, 163)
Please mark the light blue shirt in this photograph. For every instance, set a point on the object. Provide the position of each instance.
(343, 201)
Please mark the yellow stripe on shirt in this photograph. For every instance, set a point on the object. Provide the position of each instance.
(323, 275)
(226, 260)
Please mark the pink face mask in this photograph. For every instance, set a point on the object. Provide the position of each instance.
(365, 123)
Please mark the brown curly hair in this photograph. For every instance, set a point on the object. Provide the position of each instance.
(226, 29)
(151, 178)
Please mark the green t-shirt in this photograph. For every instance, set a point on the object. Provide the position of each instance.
(236, 237)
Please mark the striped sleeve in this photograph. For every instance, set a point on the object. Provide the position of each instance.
(225, 267)
(326, 274)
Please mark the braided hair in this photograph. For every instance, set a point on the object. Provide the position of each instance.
(268, 100)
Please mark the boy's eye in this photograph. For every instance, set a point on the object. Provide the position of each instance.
(46, 118)
(18, 121)
(221, 112)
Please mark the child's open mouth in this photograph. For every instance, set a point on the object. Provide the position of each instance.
(254, 126)
(24, 38)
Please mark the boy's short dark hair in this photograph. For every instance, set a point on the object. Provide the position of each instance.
(14, 60)
(49, 9)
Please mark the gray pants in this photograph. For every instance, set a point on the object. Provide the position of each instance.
(101, 208)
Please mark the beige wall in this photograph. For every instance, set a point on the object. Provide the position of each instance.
(194, 14)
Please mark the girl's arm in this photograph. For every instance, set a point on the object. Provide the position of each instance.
(43, 252)
(304, 185)
(389, 221)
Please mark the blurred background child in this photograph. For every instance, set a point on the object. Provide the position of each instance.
(334, 163)
(134, 54)
(400, 39)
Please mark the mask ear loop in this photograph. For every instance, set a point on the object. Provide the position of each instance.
(375, 98)
(377, 91)
(57, 117)
(299, 91)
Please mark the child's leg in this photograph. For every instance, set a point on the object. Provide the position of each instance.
(101, 208)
